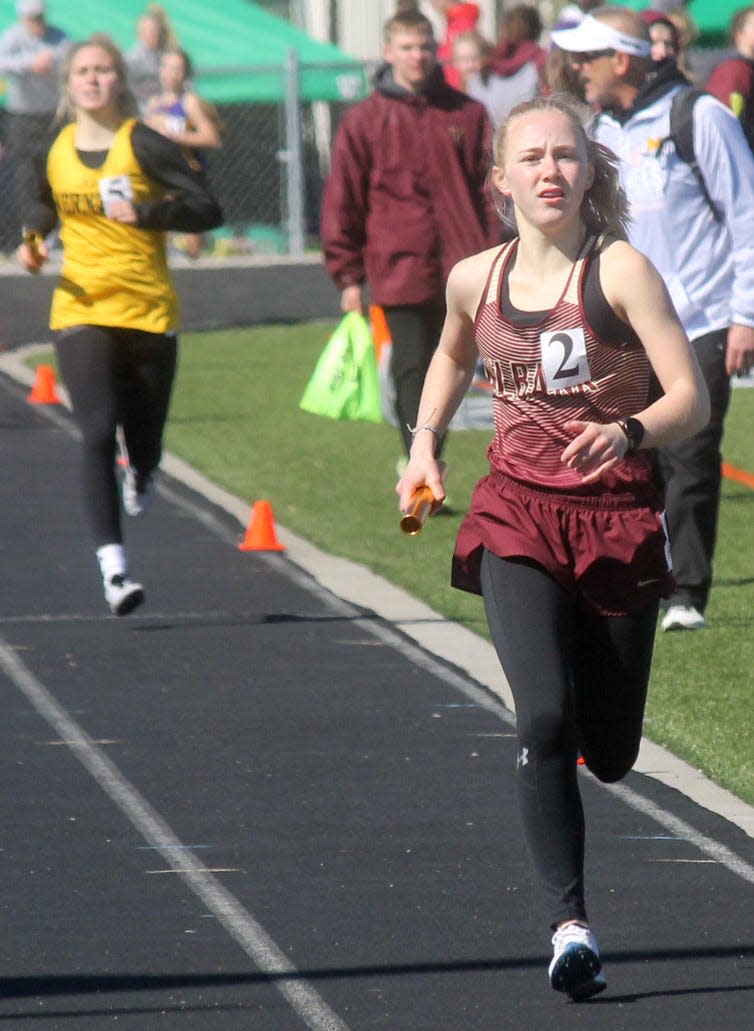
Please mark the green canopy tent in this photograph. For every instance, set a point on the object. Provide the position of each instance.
(240, 51)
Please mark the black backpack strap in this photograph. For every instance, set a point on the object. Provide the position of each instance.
(682, 135)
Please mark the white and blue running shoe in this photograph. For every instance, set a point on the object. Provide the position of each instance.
(576, 967)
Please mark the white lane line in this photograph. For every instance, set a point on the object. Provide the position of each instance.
(680, 829)
(233, 869)
(239, 923)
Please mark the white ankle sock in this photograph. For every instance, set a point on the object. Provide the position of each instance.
(112, 561)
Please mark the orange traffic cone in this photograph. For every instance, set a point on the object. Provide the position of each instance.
(43, 392)
(260, 535)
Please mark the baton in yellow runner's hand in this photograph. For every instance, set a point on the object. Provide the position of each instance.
(32, 240)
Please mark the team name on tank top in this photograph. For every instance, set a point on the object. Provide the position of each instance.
(549, 367)
(113, 273)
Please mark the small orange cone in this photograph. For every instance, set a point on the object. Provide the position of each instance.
(260, 535)
(43, 392)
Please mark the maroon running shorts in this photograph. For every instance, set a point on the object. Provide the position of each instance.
(610, 549)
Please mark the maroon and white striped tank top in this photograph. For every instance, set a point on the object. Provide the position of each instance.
(548, 367)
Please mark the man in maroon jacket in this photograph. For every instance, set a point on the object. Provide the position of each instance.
(405, 200)
(733, 80)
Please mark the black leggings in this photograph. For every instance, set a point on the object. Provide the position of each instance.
(579, 682)
(692, 479)
(115, 377)
(415, 331)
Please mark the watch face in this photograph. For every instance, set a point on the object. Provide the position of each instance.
(635, 433)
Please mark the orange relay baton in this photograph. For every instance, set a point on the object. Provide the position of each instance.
(32, 240)
(421, 502)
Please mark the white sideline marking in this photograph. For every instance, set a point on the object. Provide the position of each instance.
(435, 633)
(680, 829)
(239, 923)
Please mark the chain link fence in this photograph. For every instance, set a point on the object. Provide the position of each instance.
(270, 171)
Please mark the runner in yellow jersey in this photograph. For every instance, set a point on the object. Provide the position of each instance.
(115, 187)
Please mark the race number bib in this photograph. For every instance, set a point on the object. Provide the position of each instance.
(564, 359)
(115, 187)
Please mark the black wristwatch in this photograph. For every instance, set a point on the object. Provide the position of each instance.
(634, 432)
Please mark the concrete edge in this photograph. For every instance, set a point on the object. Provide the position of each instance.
(176, 261)
(432, 631)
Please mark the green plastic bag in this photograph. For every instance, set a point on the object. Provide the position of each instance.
(345, 383)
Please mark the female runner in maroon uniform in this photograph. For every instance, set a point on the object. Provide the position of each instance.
(565, 537)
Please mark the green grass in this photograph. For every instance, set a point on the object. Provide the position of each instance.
(235, 417)
(700, 699)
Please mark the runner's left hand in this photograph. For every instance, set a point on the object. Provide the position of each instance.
(595, 448)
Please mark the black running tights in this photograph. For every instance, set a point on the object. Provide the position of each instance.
(415, 330)
(579, 682)
(115, 377)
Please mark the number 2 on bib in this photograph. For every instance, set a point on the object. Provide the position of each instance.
(564, 359)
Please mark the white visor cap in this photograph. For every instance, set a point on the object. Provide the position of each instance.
(590, 35)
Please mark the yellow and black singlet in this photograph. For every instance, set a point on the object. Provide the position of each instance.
(115, 274)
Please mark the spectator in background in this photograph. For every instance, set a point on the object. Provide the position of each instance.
(706, 258)
(513, 73)
(471, 54)
(177, 111)
(558, 73)
(8, 229)
(154, 35)
(31, 55)
(688, 32)
(406, 199)
(459, 17)
(181, 115)
(733, 80)
(559, 76)
(663, 36)
(572, 14)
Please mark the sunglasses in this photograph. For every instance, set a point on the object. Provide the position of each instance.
(591, 55)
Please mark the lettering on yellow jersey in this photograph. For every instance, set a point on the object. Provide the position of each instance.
(511, 379)
(79, 203)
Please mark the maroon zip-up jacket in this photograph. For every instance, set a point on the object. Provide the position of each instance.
(406, 199)
(736, 75)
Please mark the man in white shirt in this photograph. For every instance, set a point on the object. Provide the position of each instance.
(31, 55)
(703, 250)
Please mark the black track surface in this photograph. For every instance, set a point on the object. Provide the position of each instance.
(357, 810)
